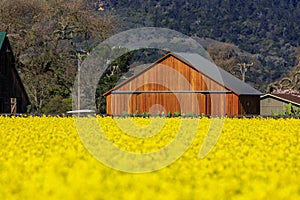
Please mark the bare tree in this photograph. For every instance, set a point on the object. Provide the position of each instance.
(228, 56)
(46, 36)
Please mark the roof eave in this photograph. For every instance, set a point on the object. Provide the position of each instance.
(279, 98)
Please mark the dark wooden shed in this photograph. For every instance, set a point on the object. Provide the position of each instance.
(13, 97)
(185, 83)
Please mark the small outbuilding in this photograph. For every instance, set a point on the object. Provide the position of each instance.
(13, 97)
(186, 83)
(271, 104)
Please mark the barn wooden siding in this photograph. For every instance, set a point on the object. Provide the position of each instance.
(173, 85)
(13, 97)
(249, 105)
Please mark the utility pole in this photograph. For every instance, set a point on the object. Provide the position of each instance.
(78, 81)
(80, 55)
(244, 69)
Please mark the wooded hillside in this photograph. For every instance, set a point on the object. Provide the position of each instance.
(50, 38)
(269, 30)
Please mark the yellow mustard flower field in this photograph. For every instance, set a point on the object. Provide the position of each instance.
(45, 158)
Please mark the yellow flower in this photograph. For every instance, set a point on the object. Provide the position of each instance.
(253, 159)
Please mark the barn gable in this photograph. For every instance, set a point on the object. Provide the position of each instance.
(182, 82)
(13, 97)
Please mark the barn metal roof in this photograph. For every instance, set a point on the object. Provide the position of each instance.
(218, 74)
(205, 67)
(2, 38)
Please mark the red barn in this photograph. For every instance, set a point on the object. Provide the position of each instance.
(185, 83)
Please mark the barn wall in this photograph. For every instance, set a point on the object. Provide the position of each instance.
(4, 88)
(17, 91)
(174, 75)
(153, 103)
(232, 103)
(108, 104)
(4, 81)
(10, 83)
(222, 104)
(249, 105)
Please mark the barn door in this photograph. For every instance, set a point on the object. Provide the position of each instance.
(202, 103)
(157, 103)
(216, 104)
(144, 102)
(13, 105)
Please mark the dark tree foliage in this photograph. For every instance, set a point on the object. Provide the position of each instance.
(48, 38)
